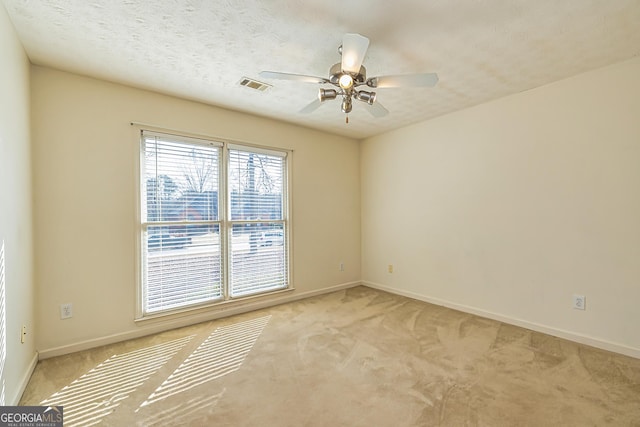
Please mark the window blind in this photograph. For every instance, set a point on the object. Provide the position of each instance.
(182, 256)
(258, 232)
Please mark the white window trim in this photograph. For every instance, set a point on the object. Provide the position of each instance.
(226, 145)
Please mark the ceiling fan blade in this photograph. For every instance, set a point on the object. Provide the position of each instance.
(289, 76)
(311, 107)
(377, 110)
(354, 47)
(404, 80)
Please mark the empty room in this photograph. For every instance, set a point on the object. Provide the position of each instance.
(287, 213)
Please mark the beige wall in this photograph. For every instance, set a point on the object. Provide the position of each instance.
(84, 153)
(509, 208)
(15, 215)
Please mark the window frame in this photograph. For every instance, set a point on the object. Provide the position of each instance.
(224, 220)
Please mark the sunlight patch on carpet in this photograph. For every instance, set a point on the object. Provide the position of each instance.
(222, 353)
(96, 394)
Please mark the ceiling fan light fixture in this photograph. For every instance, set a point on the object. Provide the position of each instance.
(324, 94)
(345, 81)
(364, 96)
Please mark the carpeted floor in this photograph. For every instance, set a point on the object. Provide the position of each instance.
(359, 357)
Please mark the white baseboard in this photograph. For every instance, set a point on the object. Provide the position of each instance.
(561, 333)
(160, 325)
(24, 381)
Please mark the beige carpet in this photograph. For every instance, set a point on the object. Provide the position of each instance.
(359, 357)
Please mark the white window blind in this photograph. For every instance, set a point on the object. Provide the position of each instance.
(258, 232)
(3, 326)
(182, 257)
(210, 233)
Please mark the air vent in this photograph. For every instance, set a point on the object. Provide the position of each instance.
(254, 84)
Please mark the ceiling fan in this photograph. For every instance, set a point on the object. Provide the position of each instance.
(349, 74)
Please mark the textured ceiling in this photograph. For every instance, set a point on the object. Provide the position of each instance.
(200, 49)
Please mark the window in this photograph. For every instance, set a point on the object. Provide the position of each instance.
(213, 223)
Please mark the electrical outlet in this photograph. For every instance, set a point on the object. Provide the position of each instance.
(390, 268)
(342, 266)
(66, 311)
(23, 334)
(579, 302)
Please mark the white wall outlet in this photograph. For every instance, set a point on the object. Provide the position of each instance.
(342, 266)
(390, 268)
(23, 334)
(579, 302)
(66, 311)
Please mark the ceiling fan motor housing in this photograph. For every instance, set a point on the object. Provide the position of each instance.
(335, 72)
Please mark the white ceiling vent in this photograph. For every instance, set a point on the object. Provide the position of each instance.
(254, 84)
